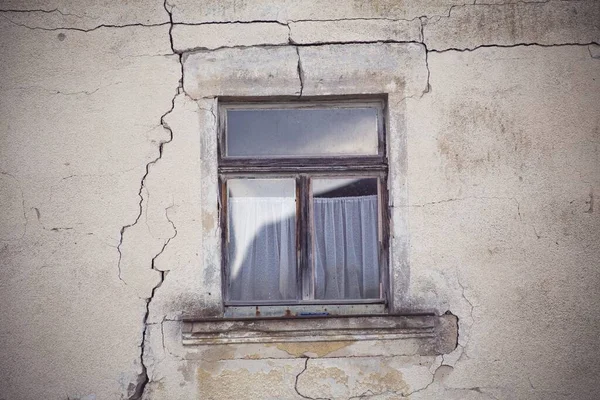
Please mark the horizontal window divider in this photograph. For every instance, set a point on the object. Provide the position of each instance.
(354, 169)
(303, 161)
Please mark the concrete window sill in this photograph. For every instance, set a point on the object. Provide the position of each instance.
(431, 334)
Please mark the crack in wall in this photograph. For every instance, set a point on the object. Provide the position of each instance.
(452, 7)
(470, 326)
(422, 42)
(355, 19)
(469, 198)
(137, 24)
(508, 46)
(595, 53)
(423, 20)
(369, 393)
(288, 21)
(143, 378)
(300, 72)
(424, 388)
(55, 10)
(296, 383)
(516, 2)
(191, 50)
(253, 21)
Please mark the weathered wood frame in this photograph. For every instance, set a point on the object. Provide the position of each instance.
(303, 169)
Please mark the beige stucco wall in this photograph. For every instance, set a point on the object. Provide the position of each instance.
(108, 225)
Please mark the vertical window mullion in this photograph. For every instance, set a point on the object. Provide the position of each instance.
(380, 237)
(305, 256)
(299, 239)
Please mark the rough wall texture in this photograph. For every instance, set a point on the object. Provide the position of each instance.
(105, 108)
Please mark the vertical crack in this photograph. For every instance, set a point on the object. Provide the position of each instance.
(300, 72)
(428, 86)
(143, 378)
(423, 21)
(424, 388)
(298, 376)
(472, 308)
(169, 10)
(290, 41)
(296, 383)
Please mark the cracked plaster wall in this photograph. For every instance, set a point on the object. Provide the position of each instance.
(101, 241)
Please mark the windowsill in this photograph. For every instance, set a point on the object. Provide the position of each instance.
(433, 334)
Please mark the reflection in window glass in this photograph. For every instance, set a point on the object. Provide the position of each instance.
(345, 233)
(302, 132)
(262, 239)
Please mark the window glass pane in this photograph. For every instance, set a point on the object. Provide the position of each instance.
(262, 239)
(346, 244)
(302, 132)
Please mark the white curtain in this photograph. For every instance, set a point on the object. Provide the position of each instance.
(346, 248)
(262, 248)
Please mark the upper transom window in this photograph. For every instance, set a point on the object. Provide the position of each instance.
(302, 132)
(303, 202)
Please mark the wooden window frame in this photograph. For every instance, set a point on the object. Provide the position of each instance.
(303, 169)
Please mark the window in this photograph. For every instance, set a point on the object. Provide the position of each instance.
(303, 203)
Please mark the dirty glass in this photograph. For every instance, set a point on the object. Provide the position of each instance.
(262, 239)
(302, 132)
(345, 237)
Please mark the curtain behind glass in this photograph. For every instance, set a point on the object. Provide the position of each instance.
(262, 248)
(346, 248)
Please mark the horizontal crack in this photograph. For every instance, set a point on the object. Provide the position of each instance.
(55, 10)
(468, 198)
(292, 43)
(268, 21)
(506, 46)
(383, 41)
(287, 22)
(357, 19)
(516, 2)
(82, 29)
